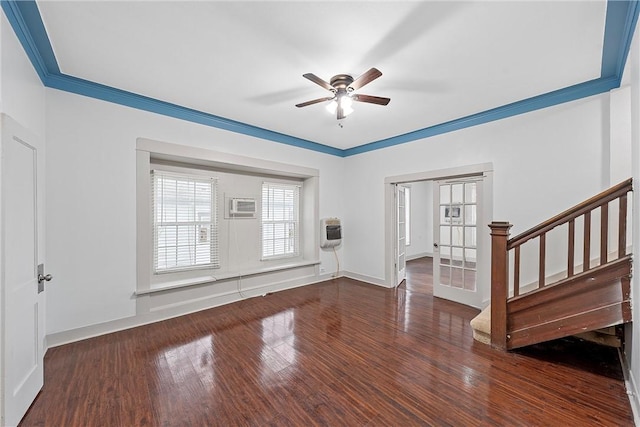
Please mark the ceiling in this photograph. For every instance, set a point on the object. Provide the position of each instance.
(239, 65)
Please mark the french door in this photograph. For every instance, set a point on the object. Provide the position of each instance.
(457, 214)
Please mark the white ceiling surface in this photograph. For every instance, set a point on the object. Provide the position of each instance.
(244, 60)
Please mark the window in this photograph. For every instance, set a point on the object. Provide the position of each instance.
(185, 229)
(280, 220)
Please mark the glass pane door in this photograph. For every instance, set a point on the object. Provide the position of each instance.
(457, 235)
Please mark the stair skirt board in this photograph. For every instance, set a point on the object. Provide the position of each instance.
(585, 302)
(481, 327)
(583, 322)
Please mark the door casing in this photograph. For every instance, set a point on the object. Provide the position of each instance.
(401, 246)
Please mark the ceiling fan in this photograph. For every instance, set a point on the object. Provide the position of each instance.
(342, 86)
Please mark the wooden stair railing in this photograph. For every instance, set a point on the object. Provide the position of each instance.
(596, 297)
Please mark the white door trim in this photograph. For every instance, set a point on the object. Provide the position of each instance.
(400, 269)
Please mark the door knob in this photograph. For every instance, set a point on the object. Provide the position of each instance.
(42, 278)
(435, 245)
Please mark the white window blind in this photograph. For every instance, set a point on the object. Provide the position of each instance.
(185, 223)
(280, 220)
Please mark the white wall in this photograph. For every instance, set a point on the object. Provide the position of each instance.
(632, 334)
(544, 162)
(22, 94)
(92, 199)
(620, 146)
(421, 220)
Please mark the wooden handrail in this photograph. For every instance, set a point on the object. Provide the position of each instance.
(572, 213)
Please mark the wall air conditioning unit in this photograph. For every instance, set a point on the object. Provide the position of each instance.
(242, 208)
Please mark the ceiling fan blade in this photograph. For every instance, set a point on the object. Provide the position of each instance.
(314, 101)
(317, 80)
(367, 77)
(371, 99)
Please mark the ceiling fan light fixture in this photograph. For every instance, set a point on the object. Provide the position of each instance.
(345, 101)
(332, 106)
(347, 104)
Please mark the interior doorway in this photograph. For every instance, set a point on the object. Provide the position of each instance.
(415, 226)
(468, 256)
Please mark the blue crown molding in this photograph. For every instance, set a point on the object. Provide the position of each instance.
(620, 24)
(106, 93)
(24, 16)
(26, 22)
(571, 93)
(17, 13)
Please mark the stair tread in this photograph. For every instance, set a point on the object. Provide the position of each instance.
(482, 322)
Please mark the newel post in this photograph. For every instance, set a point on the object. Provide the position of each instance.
(499, 282)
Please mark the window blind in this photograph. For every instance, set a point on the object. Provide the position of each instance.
(280, 220)
(185, 223)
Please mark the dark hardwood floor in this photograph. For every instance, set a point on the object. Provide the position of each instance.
(419, 276)
(338, 353)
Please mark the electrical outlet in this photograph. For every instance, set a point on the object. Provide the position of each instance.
(321, 269)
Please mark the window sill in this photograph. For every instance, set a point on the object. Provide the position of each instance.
(194, 281)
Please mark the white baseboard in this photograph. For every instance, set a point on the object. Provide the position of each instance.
(177, 310)
(631, 385)
(183, 308)
(367, 279)
(328, 276)
(634, 399)
(419, 255)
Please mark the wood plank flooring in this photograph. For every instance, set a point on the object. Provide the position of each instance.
(338, 353)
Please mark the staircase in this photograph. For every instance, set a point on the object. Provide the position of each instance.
(587, 297)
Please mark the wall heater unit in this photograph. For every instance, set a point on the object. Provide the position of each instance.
(330, 232)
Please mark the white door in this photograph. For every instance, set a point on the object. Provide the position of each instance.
(401, 229)
(22, 244)
(457, 213)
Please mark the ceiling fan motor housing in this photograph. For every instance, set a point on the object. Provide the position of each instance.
(341, 81)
